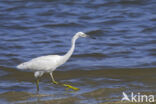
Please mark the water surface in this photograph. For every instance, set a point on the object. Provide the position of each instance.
(122, 58)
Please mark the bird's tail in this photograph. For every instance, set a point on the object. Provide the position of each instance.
(21, 66)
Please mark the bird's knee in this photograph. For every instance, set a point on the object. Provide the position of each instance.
(38, 74)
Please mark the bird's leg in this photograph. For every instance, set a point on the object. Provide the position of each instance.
(65, 85)
(37, 75)
(37, 84)
(53, 80)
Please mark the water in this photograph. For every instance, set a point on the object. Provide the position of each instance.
(122, 58)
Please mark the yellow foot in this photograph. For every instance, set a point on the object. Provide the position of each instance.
(71, 87)
(55, 82)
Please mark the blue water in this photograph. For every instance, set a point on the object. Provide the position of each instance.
(125, 41)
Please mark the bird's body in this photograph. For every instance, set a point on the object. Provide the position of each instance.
(47, 64)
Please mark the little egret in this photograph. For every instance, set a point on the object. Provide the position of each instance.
(48, 64)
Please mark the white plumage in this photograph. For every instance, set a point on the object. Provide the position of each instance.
(49, 63)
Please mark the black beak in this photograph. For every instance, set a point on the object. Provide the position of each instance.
(91, 37)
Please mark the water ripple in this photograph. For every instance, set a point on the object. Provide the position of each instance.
(125, 38)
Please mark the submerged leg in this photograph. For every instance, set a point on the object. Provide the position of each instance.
(37, 75)
(37, 84)
(53, 80)
(65, 85)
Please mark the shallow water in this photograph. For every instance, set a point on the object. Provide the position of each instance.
(121, 58)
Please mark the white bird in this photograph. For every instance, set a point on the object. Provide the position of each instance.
(48, 64)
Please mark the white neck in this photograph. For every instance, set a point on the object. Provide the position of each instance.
(69, 53)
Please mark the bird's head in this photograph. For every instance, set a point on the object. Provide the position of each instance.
(81, 34)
